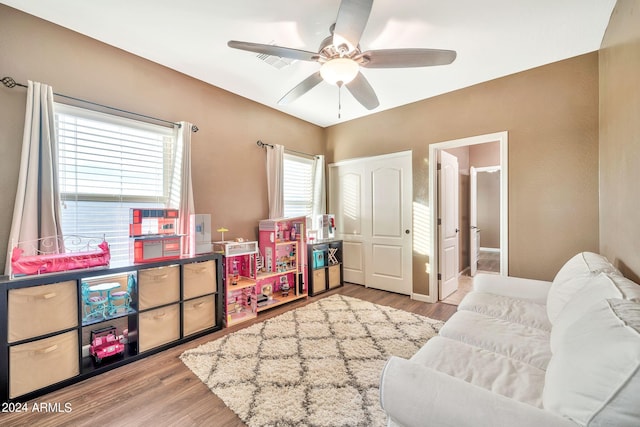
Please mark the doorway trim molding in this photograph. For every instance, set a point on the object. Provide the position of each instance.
(503, 139)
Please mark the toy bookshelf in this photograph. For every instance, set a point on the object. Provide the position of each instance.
(282, 278)
(239, 277)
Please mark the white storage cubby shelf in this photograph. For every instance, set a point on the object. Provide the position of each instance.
(46, 321)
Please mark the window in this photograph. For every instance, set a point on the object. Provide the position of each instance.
(298, 185)
(107, 165)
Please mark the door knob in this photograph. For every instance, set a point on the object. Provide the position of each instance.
(407, 231)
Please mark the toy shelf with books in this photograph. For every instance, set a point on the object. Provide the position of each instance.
(239, 276)
(283, 262)
(325, 261)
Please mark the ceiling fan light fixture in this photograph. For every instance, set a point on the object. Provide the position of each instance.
(339, 70)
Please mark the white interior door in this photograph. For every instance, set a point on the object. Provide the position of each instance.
(448, 220)
(389, 249)
(346, 183)
(372, 199)
(474, 236)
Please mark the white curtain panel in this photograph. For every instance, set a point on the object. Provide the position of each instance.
(275, 180)
(182, 187)
(36, 211)
(319, 189)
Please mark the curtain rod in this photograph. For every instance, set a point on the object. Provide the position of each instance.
(265, 145)
(11, 83)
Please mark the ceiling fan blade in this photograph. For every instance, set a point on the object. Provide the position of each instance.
(363, 92)
(268, 49)
(351, 20)
(303, 87)
(405, 58)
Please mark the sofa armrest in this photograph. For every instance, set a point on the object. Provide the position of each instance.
(415, 395)
(515, 287)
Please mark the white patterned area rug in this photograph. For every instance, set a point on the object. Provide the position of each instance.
(318, 365)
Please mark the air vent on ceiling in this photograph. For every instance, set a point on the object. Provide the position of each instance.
(275, 61)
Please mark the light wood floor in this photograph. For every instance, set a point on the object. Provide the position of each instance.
(465, 285)
(160, 391)
(488, 262)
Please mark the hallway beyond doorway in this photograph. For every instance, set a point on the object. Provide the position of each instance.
(488, 262)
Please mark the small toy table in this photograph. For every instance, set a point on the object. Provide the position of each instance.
(104, 287)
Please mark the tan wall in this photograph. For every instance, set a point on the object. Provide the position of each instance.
(228, 167)
(551, 114)
(620, 139)
(483, 155)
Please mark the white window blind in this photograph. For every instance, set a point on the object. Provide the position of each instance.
(107, 165)
(298, 185)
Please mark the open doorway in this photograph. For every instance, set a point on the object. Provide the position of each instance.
(490, 246)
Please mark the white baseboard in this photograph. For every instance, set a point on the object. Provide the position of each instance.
(422, 297)
(464, 271)
(496, 250)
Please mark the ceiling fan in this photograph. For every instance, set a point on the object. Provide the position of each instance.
(341, 57)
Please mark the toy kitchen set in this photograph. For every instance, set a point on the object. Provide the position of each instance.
(153, 234)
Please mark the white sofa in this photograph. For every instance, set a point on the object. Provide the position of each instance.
(522, 352)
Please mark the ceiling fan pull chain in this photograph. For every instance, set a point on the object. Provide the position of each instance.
(339, 98)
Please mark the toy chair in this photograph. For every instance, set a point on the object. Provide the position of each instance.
(95, 306)
(124, 296)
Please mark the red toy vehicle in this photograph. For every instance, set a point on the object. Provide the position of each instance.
(104, 343)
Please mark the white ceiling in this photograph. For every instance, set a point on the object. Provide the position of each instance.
(493, 38)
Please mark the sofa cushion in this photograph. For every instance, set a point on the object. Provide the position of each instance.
(572, 277)
(524, 343)
(514, 287)
(600, 287)
(584, 263)
(524, 312)
(593, 377)
(494, 372)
